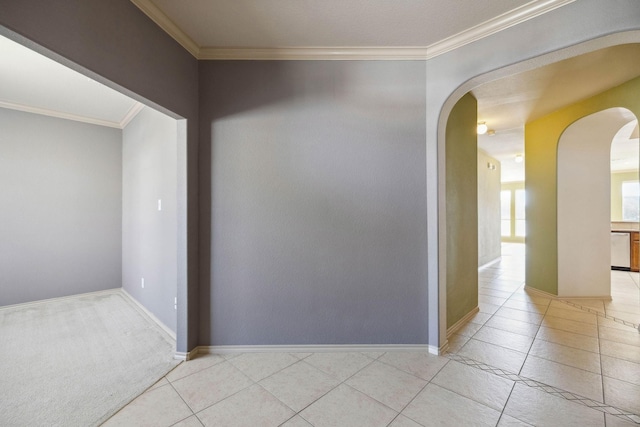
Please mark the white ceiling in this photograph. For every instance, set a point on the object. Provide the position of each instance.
(508, 103)
(332, 23)
(34, 83)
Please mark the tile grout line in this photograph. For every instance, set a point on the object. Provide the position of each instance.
(600, 314)
(297, 413)
(548, 305)
(226, 397)
(601, 368)
(187, 405)
(562, 393)
(573, 397)
(417, 394)
(341, 382)
(513, 387)
(538, 325)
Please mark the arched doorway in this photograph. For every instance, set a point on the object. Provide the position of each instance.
(469, 85)
(584, 197)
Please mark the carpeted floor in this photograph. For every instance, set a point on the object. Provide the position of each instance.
(75, 361)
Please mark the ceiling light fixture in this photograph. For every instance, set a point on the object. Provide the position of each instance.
(519, 158)
(491, 132)
(482, 128)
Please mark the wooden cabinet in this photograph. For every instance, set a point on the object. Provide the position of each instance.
(635, 251)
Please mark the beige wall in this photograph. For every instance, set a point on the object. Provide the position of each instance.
(488, 208)
(462, 209)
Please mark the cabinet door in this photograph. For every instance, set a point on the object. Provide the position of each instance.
(635, 251)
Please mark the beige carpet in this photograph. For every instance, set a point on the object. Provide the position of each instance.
(75, 361)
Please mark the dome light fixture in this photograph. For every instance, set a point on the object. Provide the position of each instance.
(519, 158)
(482, 128)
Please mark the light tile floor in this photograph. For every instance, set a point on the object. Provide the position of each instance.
(523, 360)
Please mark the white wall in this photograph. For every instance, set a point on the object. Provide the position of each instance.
(489, 244)
(149, 250)
(584, 197)
(60, 207)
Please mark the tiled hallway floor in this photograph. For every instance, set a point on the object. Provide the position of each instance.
(523, 360)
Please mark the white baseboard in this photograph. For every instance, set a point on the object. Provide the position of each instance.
(228, 349)
(540, 293)
(180, 355)
(149, 314)
(460, 323)
(487, 264)
(557, 297)
(603, 298)
(439, 351)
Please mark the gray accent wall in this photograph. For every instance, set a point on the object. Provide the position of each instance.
(149, 234)
(60, 215)
(313, 202)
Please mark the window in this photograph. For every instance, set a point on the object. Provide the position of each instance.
(520, 218)
(505, 209)
(512, 212)
(630, 201)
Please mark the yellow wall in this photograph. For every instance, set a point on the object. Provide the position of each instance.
(462, 209)
(541, 144)
(616, 192)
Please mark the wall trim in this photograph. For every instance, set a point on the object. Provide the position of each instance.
(149, 314)
(228, 349)
(538, 292)
(59, 114)
(316, 53)
(493, 261)
(603, 298)
(544, 294)
(186, 356)
(501, 22)
(506, 20)
(460, 323)
(131, 114)
(439, 351)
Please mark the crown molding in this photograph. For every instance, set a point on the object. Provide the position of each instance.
(59, 114)
(506, 20)
(170, 27)
(133, 111)
(314, 53)
(502, 22)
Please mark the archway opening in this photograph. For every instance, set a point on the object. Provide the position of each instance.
(505, 87)
(584, 203)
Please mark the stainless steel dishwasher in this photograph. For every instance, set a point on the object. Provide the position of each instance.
(620, 251)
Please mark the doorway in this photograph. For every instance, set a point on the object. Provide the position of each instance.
(73, 177)
(498, 94)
